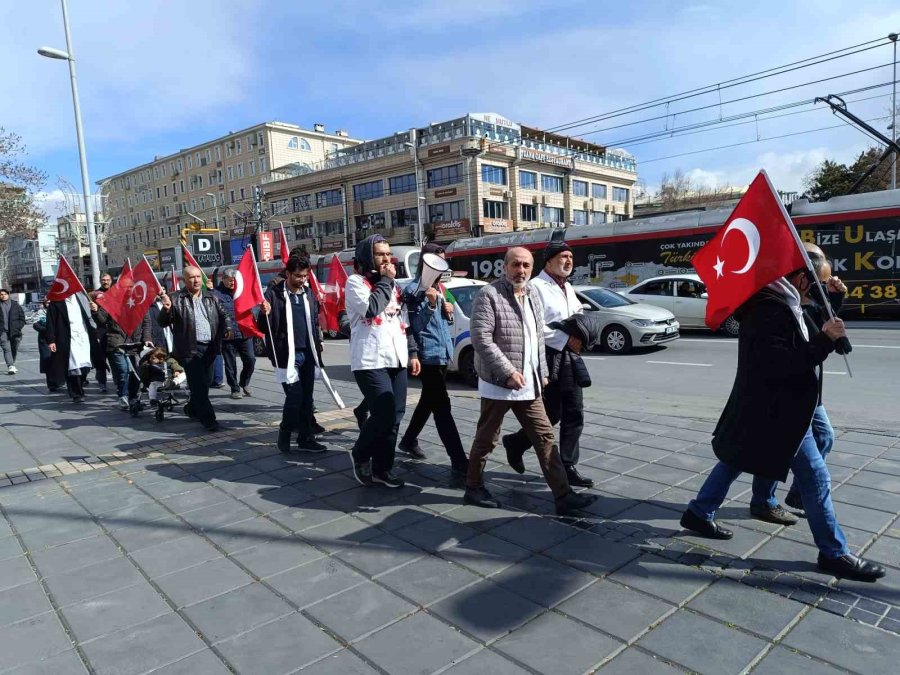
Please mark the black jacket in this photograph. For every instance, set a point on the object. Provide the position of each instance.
(181, 318)
(567, 366)
(819, 315)
(277, 348)
(775, 389)
(16, 319)
(226, 298)
(59, 332)
(157, 334)
(115, 335)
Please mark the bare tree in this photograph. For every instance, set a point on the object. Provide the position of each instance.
(18, 184)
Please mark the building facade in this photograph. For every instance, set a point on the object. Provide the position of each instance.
(477, 174)
(72, 243)
(31, 260)
(207, 188)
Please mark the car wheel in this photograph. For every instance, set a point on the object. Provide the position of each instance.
(617, 339)
(467, 367)
(731, 326)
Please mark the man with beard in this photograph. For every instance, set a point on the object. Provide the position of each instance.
(563, 398)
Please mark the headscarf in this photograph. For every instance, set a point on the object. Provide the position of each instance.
(365, 255)
(786, 290)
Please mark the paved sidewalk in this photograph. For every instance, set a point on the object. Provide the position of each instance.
(128, 546)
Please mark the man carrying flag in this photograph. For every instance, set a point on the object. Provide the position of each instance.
(756, 268)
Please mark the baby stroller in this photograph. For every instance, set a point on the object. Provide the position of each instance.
(163, 378)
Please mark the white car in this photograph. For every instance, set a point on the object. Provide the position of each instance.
(627, 324)
(682, 294)
(463, 292)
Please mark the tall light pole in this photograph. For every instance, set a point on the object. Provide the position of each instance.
(218, 228)
(893, 38)
(420, 199)
(69, 56)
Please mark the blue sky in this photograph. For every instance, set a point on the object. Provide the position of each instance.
(164, 74)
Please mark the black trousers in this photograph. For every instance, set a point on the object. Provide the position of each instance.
(231, 349)
(297, 413)
(564, 403)
(385, 392)
(75, 383)
(434, 400)
(199, 373)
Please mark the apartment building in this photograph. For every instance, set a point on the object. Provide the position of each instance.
(476, 174)
(211, 183)
(72, 242)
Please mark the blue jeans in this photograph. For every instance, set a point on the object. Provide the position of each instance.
(813, 481)
(231, 349)
(297, 413)
(218, 371)
(118, 362)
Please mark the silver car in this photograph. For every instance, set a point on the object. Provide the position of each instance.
(682, 294)
(627, 324)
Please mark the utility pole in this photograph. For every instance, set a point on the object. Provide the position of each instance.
(893, 38)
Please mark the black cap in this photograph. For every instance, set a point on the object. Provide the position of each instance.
(555, 248)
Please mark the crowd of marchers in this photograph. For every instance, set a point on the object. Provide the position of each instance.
(528, 332)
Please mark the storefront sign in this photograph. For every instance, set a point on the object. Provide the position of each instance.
(546, 158)
(450, 228)
(496, 192)
(496, 225)
(153, 258)
(266, 247)
(167, 258)
(437, 152)
(445, 192)
(332, 245)
(206, 249)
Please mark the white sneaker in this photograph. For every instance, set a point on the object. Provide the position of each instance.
(123, 403)
(12, 370)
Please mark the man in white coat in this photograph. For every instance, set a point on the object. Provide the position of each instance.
(563, 397)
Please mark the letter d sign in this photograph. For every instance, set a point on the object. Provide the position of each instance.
(204, 246)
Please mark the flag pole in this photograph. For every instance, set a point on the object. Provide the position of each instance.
(268, 323)
(809, 265)
(159, 286)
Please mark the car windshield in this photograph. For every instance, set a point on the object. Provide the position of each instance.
(606, 298)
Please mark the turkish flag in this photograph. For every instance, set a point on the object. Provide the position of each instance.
(130, 298)
(337, 280)
(126, 268)
(285, 249)
(756, 246)
(66, 283)
(248, 293)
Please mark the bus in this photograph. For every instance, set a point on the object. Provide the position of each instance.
(859, 234)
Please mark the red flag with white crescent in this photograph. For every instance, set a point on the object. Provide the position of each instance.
(126, 268)
(130, 298)
(66, 283)
(755, 246)
(248, 293)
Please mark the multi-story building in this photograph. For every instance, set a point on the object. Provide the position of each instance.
(31, 259)
(211, 183)
(73, 243)
(477, 174)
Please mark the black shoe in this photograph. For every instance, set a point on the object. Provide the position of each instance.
(362, 472)
(513, 457)
(212, 426)
(311, 445)
(794, 501)
(412, 449)
(361, 417)
(576, 479)
(572, 501)
(480, 497)
(284, 440)
(317, 428)
(706, 528)
(387, 479)
(77, 399)
(851, 567)
(219, 385)
(775, 514)
(187, 411)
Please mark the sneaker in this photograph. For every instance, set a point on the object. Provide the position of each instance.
(246, 391)
(236, 394)
(217, 385)
(362, 472)
(411, 448)
(775, 514)
(311, 445)
(102, 389)
(387, 479)
(794, 501)
(12, 370)
(123, 403)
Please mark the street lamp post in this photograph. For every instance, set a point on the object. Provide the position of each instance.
(69, 56)
(218, 228)
(893, 38)
(420, 199)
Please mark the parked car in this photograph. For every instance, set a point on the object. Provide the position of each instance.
(682, 294)
(463, 292)
(627, 324)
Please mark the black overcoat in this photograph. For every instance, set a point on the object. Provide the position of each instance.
(775, 390)
(58, 332)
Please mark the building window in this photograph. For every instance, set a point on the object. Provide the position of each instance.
(228, 151)
(202, 203)
(328, 228)
(620, 194)
(598, 191)
(552, 214)
(528, 180)
(373, 221)
(301, 203)
(179, 164)
(259, 138)
(493, 174)
(579, 188)
(495, 209)
(293, 143)
(328, 198)
(238, 144)
(580, 217)
(240, 172)
(219, 177)
(529, 213)
(551, 183)
(231, 196)
(438, 213)
(446, 175)
(190, 162)
(193, 205)
(230, 171)
(598, 218)
(252, 167)
(242, 194)
(370, 190)
(180, 187)
(218, 153)
(618, 217)
(262, 165)
(404, 218)
(400, 184)
(304, 145)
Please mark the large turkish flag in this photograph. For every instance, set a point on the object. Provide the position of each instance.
(128, 301)
(66, 282)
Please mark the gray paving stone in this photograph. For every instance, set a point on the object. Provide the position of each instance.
(278, 555)
(60, 531)
(344, 662)
(634, 662)
(556, 644)
(781, 661)
(245, 534)
(88, 582)
(428, 580)
(873, 499)
(305, 516)
(760, 612)
(359, 610)
(543, 580)
(663, 578)
(195, 499)
(592, 553)
(114, 611)
(15, 572)
(219, 515)
(236, 611)
(885, 550)
(436, 533)
(173, 556)
(534, 533)
(314, 581)
(9, 547)
(65, 663)
(845, 643)
(340, 534)
(634, 612)
(634, 488)
(389, 517)
(875, 480)
(202, 581)
(137, 649)
(22, 602)
(486, 610)
(380, 554)
(698, 643)
(135, 537)
(201, 663)
(444, 645)
(32, 640)
(486, 661)
(485, 554)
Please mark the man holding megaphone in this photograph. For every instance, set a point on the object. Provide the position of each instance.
(430, 317)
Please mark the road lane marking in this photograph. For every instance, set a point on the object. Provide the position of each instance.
(734, 342)
(679, 363)
(594, 358)
(835, 372)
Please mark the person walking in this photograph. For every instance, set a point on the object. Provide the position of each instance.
(101, 367)
(46, 356)
(765, 428)
(70, 335)
(563, 397)
(127, 384)
(381, 348)
(198, 325)
(430, 317)
(291, 312)
(12, 321)
(511, 363)
(236, 343)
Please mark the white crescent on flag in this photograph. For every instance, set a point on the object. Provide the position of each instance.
(61, 282)
(751, 234)
(143, 286)
(238, 284)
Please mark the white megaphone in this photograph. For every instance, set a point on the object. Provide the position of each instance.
(433, 266)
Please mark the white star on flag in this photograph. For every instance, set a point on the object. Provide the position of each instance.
(720, 264)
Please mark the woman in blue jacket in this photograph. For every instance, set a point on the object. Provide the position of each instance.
(430, 316)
